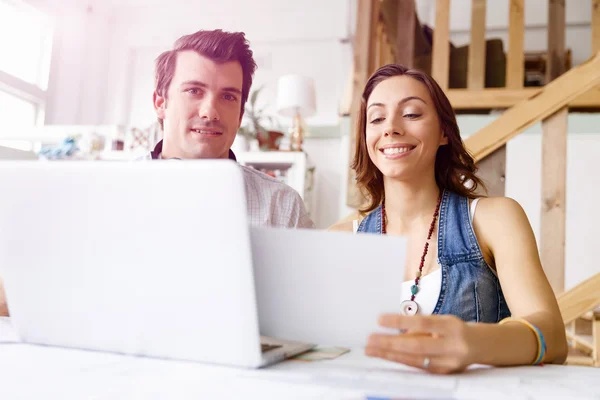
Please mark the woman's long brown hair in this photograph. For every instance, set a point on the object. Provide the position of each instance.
(454, 166)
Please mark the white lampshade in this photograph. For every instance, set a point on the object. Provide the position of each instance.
(296, 93)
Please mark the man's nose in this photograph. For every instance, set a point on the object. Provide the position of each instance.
(208, 109)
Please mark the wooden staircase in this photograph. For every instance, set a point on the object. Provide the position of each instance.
(580, 310)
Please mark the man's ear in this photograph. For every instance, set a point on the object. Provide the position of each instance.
(160, 103)
(241, 118)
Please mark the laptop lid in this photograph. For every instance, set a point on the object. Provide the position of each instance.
(145, 258)
(326, 287)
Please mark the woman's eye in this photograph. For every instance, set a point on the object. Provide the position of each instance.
(376, 120)
(412, 116)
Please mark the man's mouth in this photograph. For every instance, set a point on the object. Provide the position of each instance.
(206, 131)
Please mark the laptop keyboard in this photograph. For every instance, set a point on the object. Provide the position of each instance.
(266, 347)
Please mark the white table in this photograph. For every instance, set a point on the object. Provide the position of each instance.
(28, 372)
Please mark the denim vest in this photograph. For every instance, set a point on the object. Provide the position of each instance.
(470, 290)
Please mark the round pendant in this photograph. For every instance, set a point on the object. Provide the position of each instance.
(409, 307)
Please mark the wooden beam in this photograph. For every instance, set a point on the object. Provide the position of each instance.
(505, 98)
(379, 46)
(388, 11)
(492, 170)
(553, 212)
(405, 33)
(595, 26)
(580, 299)
(596, 339)
(556, 39)
(515, 65)
(366, 22)
(580, 360)
(476, 61)
(372, 35)
(390, 57)
(544, 103)
(554, 159)
(580, 343)
(440, 65)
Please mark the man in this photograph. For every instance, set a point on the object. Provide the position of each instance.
(201, 88)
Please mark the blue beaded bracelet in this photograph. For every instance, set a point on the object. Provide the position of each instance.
(539, 359)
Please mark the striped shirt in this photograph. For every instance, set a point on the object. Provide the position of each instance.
(269, 201)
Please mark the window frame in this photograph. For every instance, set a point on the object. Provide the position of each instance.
(35, 93)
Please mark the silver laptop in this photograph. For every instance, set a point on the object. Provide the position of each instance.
(147, 258)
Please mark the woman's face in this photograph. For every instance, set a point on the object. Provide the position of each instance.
(403, 131)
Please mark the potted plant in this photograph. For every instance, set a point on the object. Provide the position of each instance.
(268, 139)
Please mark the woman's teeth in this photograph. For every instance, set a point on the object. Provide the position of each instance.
(396, 150)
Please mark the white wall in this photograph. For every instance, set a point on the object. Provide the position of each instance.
(523, 183)
(578, 33)
(286, 37)
(102, 70)
(79, 64)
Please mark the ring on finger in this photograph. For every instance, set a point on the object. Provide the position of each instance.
(426, 363)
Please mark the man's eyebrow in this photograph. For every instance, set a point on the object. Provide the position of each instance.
(194, 83)
(204, 85)
(232, 89)
(404, 100)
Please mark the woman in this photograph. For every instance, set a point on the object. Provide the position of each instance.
(471, 262)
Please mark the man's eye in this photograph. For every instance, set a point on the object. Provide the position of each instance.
(229, 97)
(193, 91)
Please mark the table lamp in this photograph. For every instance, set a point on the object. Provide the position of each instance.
(296, 99)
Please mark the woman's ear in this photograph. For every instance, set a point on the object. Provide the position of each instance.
(443, 139)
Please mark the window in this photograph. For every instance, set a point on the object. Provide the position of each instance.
(25, 47)
(25, 43)
(15, 111)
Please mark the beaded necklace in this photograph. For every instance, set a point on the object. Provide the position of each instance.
(410, 307)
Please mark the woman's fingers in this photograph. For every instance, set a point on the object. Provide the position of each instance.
(438, 343)
(421, 345)
(446, 325)
(434, 364)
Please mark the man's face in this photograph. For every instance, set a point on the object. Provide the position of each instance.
(201, 113)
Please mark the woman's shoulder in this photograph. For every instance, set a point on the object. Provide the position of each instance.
(494, 204)
(494, 212)
(348, 223)
(499, 204)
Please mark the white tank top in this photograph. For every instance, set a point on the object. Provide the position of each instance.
(430, 285)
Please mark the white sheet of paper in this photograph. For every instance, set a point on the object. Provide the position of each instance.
(7, 331)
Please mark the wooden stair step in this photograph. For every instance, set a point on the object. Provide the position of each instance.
(580, 360)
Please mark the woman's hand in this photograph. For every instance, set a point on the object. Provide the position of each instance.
(440, 344)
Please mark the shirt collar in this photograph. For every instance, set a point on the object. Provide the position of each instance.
(155, 154)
